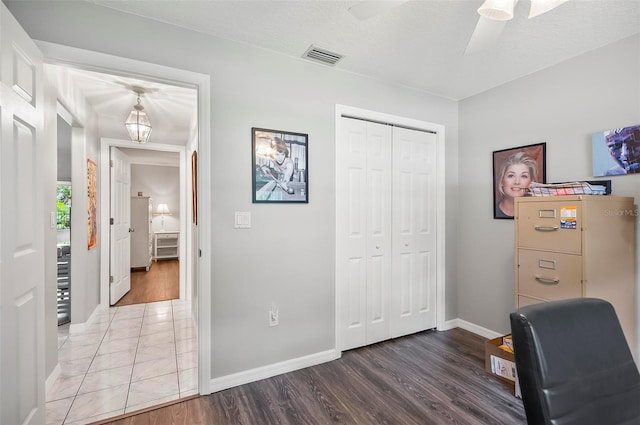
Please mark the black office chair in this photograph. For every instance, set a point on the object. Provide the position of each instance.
(574, 365)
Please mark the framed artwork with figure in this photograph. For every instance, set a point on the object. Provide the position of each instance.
(280, 166)
(616, 152)
(513, 171)
(92, 204)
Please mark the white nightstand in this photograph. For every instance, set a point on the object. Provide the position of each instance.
(166, 245)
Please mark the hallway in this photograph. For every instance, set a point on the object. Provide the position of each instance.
(129, 358)
(160, 283)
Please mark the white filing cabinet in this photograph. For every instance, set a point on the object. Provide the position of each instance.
(166, 244)
(141, 237)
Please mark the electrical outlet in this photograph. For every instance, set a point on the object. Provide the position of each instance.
(274, 319)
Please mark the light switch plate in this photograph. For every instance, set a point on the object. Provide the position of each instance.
(242, 220)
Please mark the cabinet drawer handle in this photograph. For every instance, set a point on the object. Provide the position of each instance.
(547, 281)
(546, 228)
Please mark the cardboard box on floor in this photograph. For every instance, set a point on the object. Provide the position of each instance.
(501, 363)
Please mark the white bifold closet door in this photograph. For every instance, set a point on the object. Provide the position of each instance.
(413, 289)
(364, 232)
(386, 232)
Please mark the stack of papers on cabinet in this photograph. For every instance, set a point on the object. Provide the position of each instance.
(562, 189)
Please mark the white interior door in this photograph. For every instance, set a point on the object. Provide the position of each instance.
(21, 228)
(120, 258)
(414, 231)
(364, 238)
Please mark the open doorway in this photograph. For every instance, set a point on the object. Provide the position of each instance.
(63, 251)
(199, 270)
(155, 224)
(181, 373)
(63, 215)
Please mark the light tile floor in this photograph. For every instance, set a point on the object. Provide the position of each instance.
(129, 358)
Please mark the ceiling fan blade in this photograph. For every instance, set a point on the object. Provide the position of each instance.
(369, 8)
(484, 35)
(538, 7)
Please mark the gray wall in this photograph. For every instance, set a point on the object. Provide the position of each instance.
(64, 150)
(288, 256)
(85, 264)
(562, 106)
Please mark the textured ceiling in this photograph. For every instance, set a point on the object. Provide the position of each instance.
(416, 43)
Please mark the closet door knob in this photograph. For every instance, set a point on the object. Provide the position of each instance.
(131, 230)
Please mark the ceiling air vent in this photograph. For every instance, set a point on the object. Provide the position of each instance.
(322, 56)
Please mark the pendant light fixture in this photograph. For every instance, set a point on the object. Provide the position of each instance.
(138, 124)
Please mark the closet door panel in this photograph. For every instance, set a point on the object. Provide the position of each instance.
(378, 206)
(354, 303)
(426, 283)
(403, 290)
(352, 235)
(413, 307)
(377, 312)
(364, 233)
(425, 204)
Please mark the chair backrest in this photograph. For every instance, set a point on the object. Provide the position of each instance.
(574, 365)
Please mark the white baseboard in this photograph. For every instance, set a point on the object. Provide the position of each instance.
(476, 329)
(449, 324)
(81, 327)
(252, 375)
(51, 379)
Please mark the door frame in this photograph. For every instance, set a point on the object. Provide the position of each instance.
(101, 62)
(105, 189)
(380, 117)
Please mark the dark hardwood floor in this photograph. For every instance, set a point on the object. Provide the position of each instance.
(160, 283)
(426, 378)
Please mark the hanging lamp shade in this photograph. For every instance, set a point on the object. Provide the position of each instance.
(497, 10)
(138, 124)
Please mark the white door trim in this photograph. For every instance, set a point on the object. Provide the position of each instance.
(439, 130)
(105, 189)
(100, 62)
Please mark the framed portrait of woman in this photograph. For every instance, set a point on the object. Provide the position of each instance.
(513, 171)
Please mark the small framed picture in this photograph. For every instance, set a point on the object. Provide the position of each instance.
(280, 166)
(513, 171)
